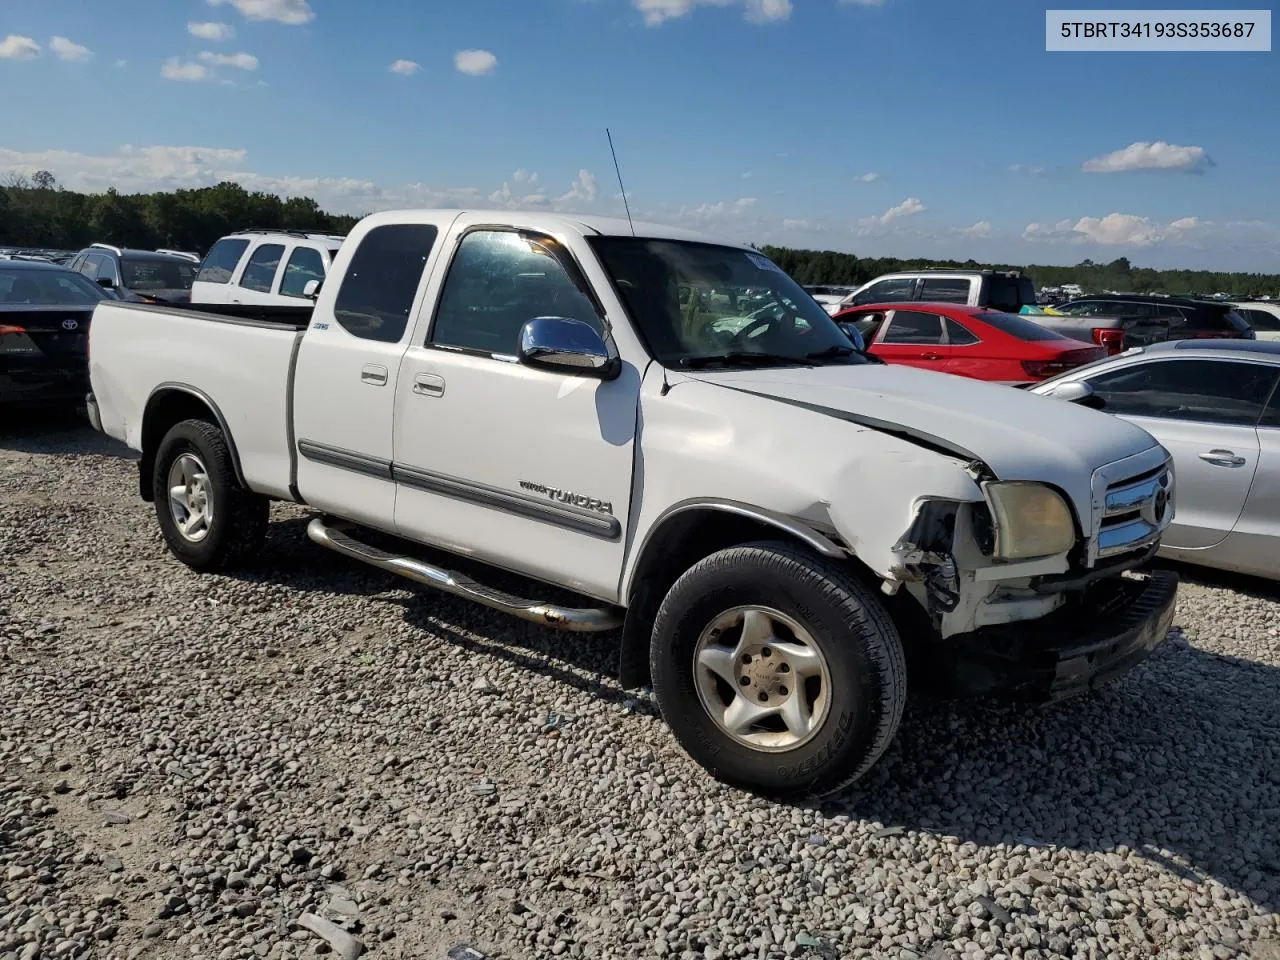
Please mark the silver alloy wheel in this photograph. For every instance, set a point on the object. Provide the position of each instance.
(762, 678)
(190, 497)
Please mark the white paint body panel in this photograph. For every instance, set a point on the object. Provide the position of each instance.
(243, 369)
(779, 440)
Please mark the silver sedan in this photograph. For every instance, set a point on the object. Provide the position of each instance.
(1215, 406)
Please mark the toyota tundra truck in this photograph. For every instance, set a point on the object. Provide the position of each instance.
(778, 531)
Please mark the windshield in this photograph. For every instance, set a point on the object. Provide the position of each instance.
(157, 274)
(697, 304)
(58, 288)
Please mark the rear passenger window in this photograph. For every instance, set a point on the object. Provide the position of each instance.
(943, 290)
(382, 279)
(221, 262)
(957, 335)
(260, 271)
(500, 280)
(304, 265)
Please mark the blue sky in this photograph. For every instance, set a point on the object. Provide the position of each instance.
(880, 127)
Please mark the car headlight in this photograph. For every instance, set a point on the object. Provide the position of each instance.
(1030, 520)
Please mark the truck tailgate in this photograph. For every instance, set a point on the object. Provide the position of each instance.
(241, 366)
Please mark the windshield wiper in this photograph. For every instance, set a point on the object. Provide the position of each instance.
(831, 352)
(738, 358)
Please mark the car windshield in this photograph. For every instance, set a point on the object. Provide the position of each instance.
(1016, 326)
(702, 304)
(157, 274)
(54, 288)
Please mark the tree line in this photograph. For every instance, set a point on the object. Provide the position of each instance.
(36, 212)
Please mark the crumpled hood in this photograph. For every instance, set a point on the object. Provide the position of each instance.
(1020, 436)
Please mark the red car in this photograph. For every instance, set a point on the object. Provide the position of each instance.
(972, 342)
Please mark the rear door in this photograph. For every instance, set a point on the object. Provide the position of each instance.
(913, 338)
(1205, 413)
(345, 380)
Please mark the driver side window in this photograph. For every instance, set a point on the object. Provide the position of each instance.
(888, 291)
(1208, 391)
(498, 281)
(913, 327)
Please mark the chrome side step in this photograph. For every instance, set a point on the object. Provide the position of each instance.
(336, 536)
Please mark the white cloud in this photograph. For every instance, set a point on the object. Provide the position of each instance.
(66, 50)
(210, 30)
(1028, 169)
(241, 61)
(863, 3)
(476, 63)
(292, 12)
(583, 188)
(1151, 156)
(524, 176)
(746, 175)
(807, 225)
(906, 208)
(406, 68)
(14, 47)
(175, 69)
(867, 178)
(1115, 229)
(122, 64)
(656, 12)
(980, 229)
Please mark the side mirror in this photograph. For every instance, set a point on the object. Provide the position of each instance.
(567, 346)
(852, 332)
(311, 289)
(1074, 391)
(106, 283)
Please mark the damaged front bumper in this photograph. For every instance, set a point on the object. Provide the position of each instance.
(1078, 646)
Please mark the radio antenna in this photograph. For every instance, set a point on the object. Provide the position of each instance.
(626, 206)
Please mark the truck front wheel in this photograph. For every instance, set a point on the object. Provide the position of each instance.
(208, 520)
(777, 671)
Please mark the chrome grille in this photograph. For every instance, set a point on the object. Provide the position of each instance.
(1136, 512)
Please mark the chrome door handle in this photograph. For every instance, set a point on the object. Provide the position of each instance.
(429, 385)
(374, 373)
(1222, 458)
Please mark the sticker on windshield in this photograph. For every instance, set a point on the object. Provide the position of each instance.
(764, 263)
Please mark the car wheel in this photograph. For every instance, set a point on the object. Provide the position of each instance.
(778, 671)
(209, 521)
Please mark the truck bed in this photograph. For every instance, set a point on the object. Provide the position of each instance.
(239, 357)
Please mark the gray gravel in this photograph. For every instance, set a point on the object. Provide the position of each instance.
(189, 765)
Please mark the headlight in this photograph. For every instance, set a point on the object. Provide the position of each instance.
(1031, 520)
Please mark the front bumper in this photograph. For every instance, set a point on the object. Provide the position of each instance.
(1070, 651)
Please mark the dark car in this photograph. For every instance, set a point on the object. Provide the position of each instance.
(1119, 321)
(44, 334)
(142, 276)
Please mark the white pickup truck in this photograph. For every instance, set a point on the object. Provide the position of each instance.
(783, 529)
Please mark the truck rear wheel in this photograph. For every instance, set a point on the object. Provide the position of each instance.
(777, 671)
(209, 521)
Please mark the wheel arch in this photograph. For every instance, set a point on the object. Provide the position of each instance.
(681, 536)
(169, 404)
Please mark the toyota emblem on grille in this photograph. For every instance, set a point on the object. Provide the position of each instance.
(1154, 509)
(69, 324)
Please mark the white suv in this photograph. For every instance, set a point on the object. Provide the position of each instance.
(264, 267)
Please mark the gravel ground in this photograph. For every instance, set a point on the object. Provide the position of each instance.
(189, 765)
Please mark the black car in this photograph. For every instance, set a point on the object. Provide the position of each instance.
(1152, 319)
(44, 334)
(142, 276)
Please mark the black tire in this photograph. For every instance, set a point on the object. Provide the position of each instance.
(239, 523)
(844, 619)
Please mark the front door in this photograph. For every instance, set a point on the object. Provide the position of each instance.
(524, 468)
(1205, 414)
(344, 391)
(914, 339)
